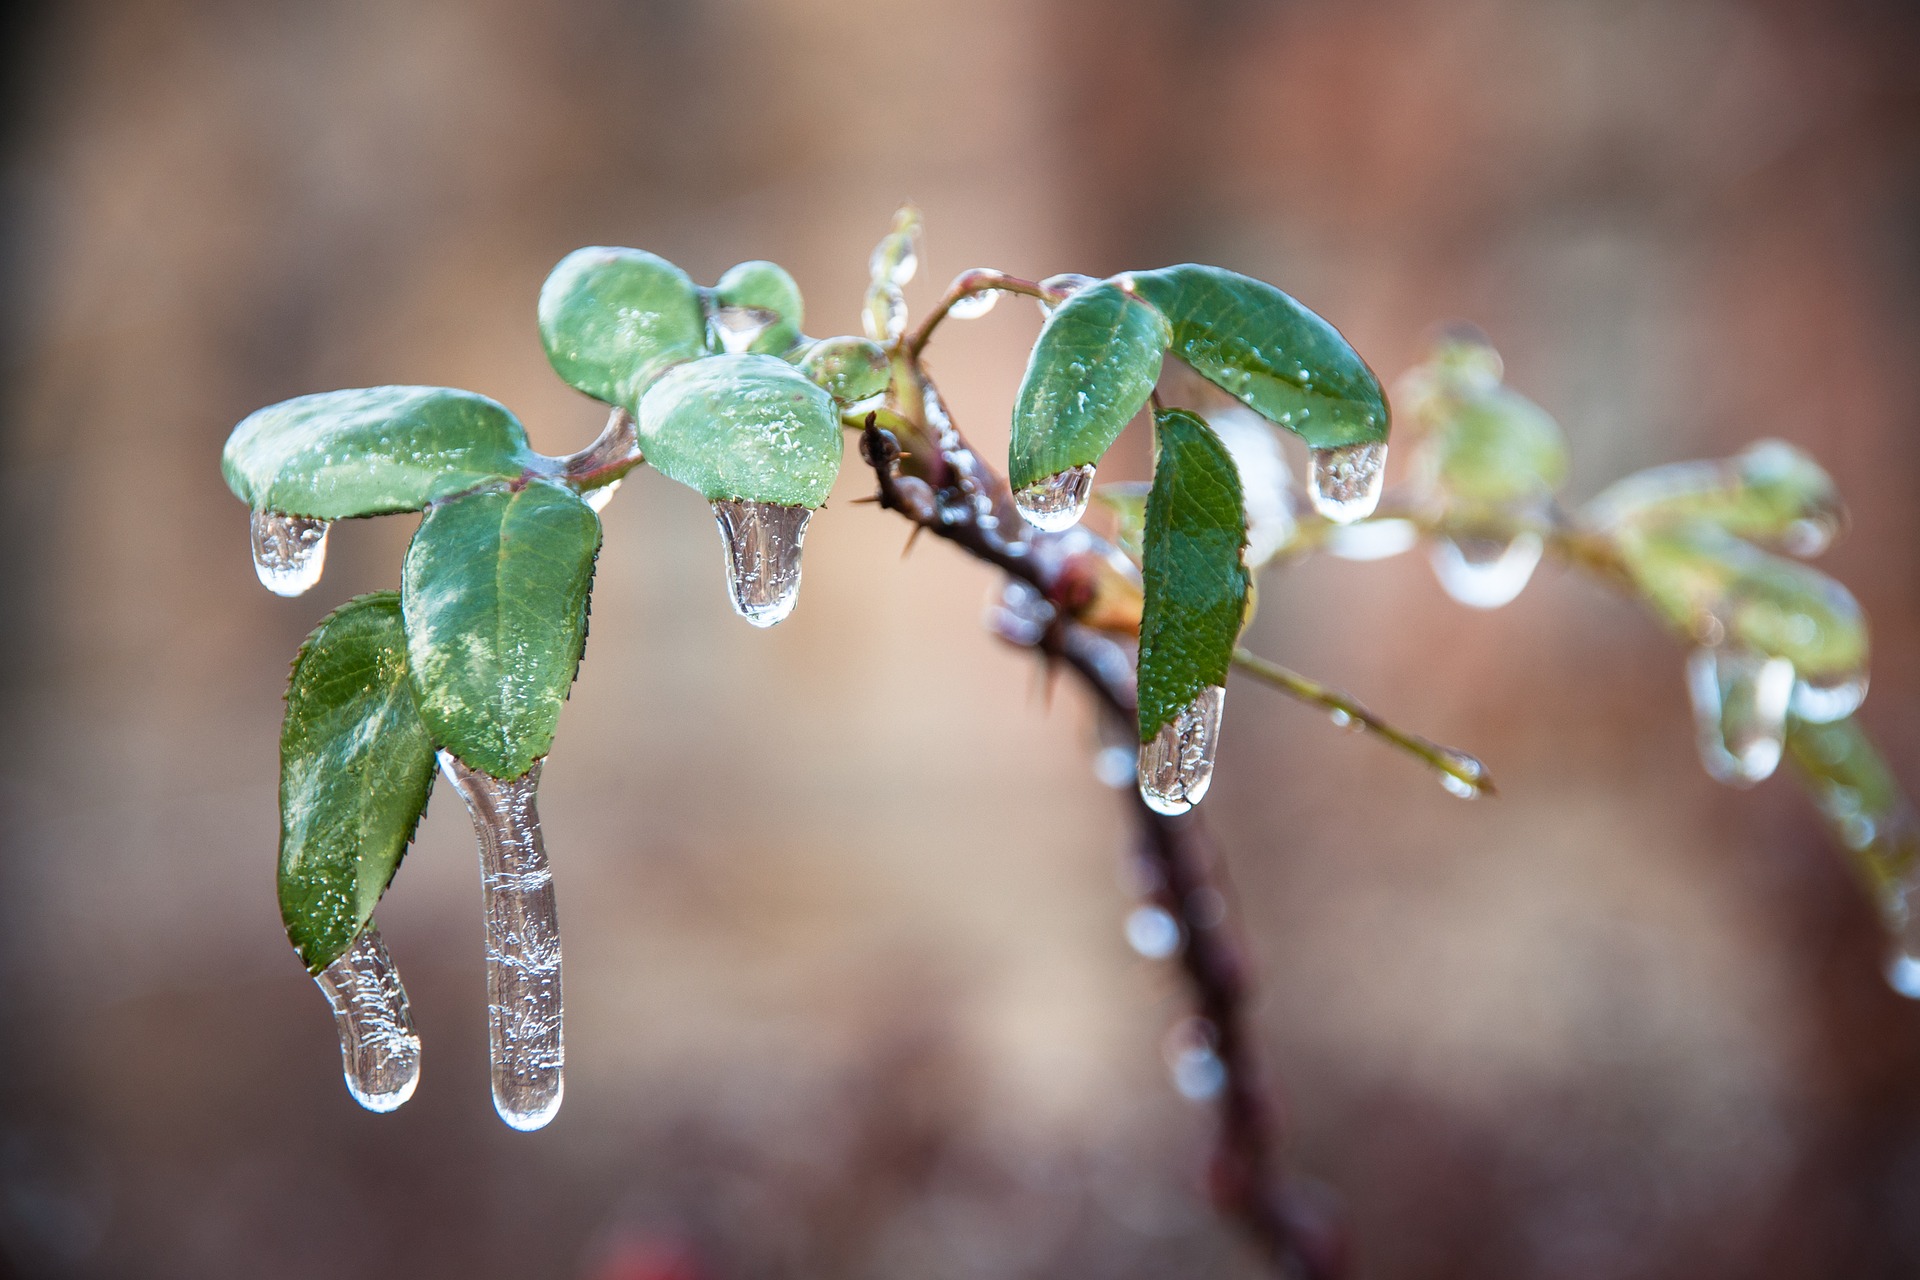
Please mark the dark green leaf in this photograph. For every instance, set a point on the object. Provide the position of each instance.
(1092, 368)
(743, 426)
(356, 764)
(372, 451)
(613, 320)
(765, 287)
(495, 593)
(1275, 356)
(1196, 582)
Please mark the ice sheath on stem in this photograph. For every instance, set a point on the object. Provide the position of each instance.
(523, 942)
(379, 1049)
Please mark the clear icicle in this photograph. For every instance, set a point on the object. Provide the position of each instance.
(289, 552)
(1486, 572)
(1824, 701)
(1344, 483)
(523, 943)
(1176, 767)
(763, 557)
(1740, 703)
(1057, 502)
(379, 1049)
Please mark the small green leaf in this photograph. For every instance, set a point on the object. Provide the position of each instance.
(743, 426)
(495, 594)
(1092, 368)
(851, 369)
(372, 451)
(613, 320)
(1269, 352)
(1197, 584)
(765, 286)
(356, 764)
(1771, 493)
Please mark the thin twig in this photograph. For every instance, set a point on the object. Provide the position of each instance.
(965, 285)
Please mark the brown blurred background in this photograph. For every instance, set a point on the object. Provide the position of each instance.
(846, 985)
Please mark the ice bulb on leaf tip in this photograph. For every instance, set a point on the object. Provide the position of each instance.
(1057, 502)
(1740, 701)
(1344, 483)
(379, 1049)
(289, 552)
(762, 544)
(1822, 702)
(1486, 573)
(1176, 767)
(524, 1011)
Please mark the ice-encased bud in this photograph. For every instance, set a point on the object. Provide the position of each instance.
(379, 1049)
(762, 542)
(1740, 701)
(1176, 766)
(289, 552)
(1344, 482)
(1486, 573)
(1057, 502)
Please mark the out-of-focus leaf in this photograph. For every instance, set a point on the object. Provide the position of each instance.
(850, 369)
(1771, 493)
(613, 320)
(1092, 368)
(743, 426)
(1860, 797)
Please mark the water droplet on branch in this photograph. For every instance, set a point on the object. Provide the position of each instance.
(1344, 483)
(523, 943)
(1153, 932)
(762, 544)
(1198, 1073)
(289, 552)
(1058, 502)
(1372, 539)
(974, 305)
(1824, 701)
(1486, 573)
(379, 1049)
(1066, 284)
(1740, 703)
(1176, 767)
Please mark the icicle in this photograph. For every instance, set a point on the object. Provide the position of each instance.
(762, 543)
(974, 305)
(1344, 483)
(379, 1049)
(289, 552)
(1153, 932)
(1176, 768)
(1486, 572)
(1824, 701)
(1740, 711)
(1058, 502)
(523, 943)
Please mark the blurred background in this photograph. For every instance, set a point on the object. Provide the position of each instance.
(847, 989)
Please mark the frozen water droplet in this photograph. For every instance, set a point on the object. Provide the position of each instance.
(1057, 502)
(1344, 483)
(523, 943)
(1066, 284)
(1341, 718)
(763, 557)
(1820, 702)
(379, 1049)
(1198, 1073)
(1740, 703)
(1485, 572)
(885, 316)
(896, 257)
(599, 498)
(1464, 787)
(1153, 932)
(974, 305)
(1372, 539)
(1116, 767)
(1903, 975)
(739, 327)
(1807, 538)
(1176, 768)
(289, 552)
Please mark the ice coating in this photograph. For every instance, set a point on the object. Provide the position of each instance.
(1056, 503)
(1740, 701)
(379, 1049)
(523, 943)
(1486, 573)
(974, 305)
(762, 544)
(1344, 483)
(1824, 701)
(1176, 767)
(289, 552)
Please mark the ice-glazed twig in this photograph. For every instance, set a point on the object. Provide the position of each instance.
(523, 942)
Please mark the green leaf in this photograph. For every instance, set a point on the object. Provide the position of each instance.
(356, 764)
(1196, 582)
(1093, 366)
(613, 320)
(765, 286)
(495, 594)
(1862, 800)
(372, 451)
(743, 426)
(1269, 352)
(851, 369)
(1771, 493)
(1490, 448)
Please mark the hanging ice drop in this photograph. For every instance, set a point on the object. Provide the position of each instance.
(289, 552)
(379, 1049)
(1344, 483)
(763, 556)
(1176, 767)
(1740, 711)
(974, 305)
(523, 943)
(1485, 573)
(1057, 502)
